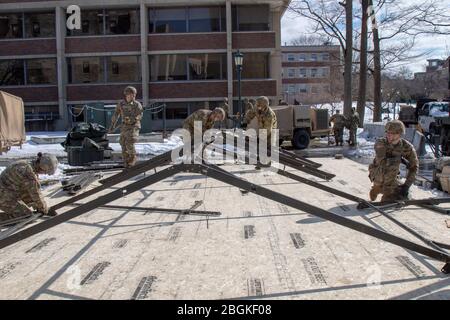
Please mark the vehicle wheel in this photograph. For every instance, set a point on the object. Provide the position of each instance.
(300, 139)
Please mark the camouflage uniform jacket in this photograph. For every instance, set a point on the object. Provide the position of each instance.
(385, 167)
(131, 114)
(338, 120)
(267, 119)
(19, 181)
(353, 122)
(202, 115)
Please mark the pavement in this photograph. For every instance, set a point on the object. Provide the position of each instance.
(256, 249)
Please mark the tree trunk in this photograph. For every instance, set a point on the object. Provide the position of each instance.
(363, 63)
(348, 58)
(377, 66)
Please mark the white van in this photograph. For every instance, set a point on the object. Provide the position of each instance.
(429, 112)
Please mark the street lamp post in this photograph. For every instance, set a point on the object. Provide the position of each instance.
(238, 61)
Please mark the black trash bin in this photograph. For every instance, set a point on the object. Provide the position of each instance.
(79, 156)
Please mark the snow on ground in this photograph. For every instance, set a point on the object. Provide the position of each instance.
(31, 149)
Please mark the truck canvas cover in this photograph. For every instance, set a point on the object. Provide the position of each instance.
(12, 121)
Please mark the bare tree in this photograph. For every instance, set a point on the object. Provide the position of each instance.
(348, 101)
(312, 40)
(334, 20)
(363, 62)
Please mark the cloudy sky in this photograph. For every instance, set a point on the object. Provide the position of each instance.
(435, 46)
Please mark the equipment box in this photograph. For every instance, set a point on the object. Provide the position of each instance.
(78, 156)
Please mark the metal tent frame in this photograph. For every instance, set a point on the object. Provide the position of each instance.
(433, 249)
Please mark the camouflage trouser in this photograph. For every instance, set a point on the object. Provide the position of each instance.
(352, 139)
(14, 207)
(338, 135)
(390, 192)
(128, 137)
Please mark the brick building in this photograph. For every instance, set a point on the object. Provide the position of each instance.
(312, 74)
(435, 81)
(173, 51)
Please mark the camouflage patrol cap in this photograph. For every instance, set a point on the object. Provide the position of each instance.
(395, 126)
(221, 112)
(129, 90)
(47, 163)
(263, 100)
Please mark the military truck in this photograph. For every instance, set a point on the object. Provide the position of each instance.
(300, 124)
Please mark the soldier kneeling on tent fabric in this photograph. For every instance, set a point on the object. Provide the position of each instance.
(384, 170)
(20, 188)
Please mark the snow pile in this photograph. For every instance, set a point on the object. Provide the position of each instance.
(31, 149)
(154, 148)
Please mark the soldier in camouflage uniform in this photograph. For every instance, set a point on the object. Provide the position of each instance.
(338, 121)
(384, 170)
(131, 112)
(265, 116)
(353, 124)
(206, 117)
(20, 188)
(261, 116)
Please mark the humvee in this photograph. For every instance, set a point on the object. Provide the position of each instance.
(300, 124)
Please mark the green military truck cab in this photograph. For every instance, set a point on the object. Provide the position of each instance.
(300, 124)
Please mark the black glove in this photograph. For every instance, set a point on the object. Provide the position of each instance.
(404, 190)
(51, 212)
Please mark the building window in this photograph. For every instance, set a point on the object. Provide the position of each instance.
(303, 73)
(192, 19)
(39, 25)
(291, 88)
(100, 22)
(41, 71)
(86, 70)
(291, 73)
(314, 73)
(125, 21)
(168, 20)
(314, 89)
(302, 57)
(174, 111)
(325, 72)
(250, 18)
(207, 19)
(179, 67)
(207, 66)
(325, 56)
(12, 72)
(168, 67)
(256, 65)
(11, 25)
(91, 24)
(123, 69)
(291, 57)
(303, 88)
(313, 56)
